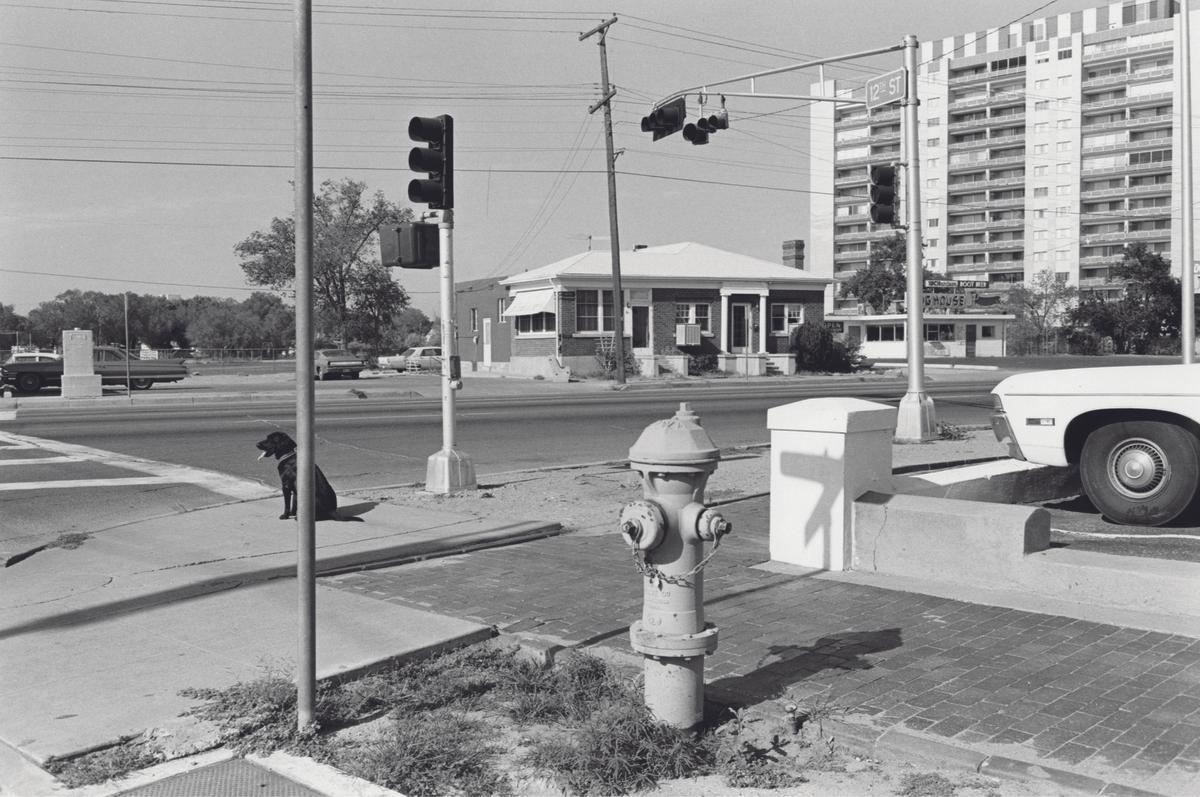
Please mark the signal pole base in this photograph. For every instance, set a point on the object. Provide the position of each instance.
(916, 420)
(449, 471)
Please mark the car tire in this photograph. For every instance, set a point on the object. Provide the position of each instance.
(141, 384)
(28, 383)
(1141, 472)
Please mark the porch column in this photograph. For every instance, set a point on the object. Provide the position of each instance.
(725, 339)
(763, 323)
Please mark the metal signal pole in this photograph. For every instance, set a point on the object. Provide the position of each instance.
(618, 297)
(915, 419)
(306, 545)
(1187, 331)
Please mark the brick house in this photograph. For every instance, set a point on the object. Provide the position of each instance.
(683, 301)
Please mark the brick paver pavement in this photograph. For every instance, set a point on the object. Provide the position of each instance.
(1114, 703)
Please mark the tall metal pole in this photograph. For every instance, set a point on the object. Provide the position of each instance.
(916, 419)
(449, 469)
(607, 94)
(306, 672)
(1187, 326)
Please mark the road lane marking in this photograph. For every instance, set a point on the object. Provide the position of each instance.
(41, 461)
(1106, 535)
(156, 472)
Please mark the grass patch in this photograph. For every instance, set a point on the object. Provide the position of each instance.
(948, 431)
(480, 720)
(925, 784)
(102, 765)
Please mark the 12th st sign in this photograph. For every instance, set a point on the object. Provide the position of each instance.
(885, 89)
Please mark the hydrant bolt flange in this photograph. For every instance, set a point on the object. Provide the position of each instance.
(642, 525)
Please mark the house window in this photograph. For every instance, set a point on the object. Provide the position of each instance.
(474, 320)
(786, 316)
(536, 324)
(693, 314)
(936, 332)
(588, 316)
(500, 310)
(987, 331)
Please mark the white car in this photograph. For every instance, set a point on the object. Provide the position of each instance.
(1134, 432)
(33, 357)
(421, 358)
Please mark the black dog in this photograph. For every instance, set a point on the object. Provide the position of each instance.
(283, 448)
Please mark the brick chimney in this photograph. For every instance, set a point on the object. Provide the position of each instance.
(793, 254)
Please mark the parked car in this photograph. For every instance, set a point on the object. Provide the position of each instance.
(33, 357)
(1134, 432)
(112, 364)
(336, 363)
(419, 358)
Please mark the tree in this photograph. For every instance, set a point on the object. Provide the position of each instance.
(1149, 309)
(1041, 306)
(885, 279)
(345, 222)
(817, 351)
(14, 328)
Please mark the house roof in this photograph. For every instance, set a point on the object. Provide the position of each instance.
(671, 263)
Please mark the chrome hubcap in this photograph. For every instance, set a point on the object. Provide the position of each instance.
(1138, 468)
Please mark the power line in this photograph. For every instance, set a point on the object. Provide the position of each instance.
(125, 280)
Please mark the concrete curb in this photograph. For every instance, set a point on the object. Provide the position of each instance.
(319, 777)
(906, 745)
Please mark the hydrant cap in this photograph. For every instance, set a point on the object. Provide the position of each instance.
(677, 443)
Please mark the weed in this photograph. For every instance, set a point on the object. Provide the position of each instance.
(427, 753)
(948, 431)
(102, 765)
(925, 784)
(619, 749)
(746, 762)
(70, 541)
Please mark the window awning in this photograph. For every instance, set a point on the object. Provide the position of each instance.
(532, 303)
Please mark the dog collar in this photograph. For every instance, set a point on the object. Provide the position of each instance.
(288, 455)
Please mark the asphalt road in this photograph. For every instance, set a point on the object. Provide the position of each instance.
(386, 440)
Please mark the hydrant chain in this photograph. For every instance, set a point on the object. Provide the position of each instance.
(647, 568)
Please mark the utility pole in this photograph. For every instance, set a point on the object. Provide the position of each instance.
(607, 94)
(915, 419)
(306, 545)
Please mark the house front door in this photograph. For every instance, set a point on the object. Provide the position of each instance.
(487, 341)
(740, 336)
(640, 331)
(971, 333)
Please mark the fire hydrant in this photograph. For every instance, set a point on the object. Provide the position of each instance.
(666, 532)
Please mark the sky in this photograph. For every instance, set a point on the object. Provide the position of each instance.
(141, 140)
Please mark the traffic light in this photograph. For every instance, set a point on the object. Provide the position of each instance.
(883, 193)
(410, 244)
(665, 119)
(436, 159)
(698, 133)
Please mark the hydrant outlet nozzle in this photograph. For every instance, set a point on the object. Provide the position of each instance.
(711, 526)
(642, 525)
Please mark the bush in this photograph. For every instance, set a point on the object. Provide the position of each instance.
(607, 358)
(1083, 341)
(700, 364)
(816, 350)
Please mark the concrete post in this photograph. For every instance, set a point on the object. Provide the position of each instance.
(825, 453)
(79, 379)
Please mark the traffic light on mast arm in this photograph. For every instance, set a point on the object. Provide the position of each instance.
(698, 133)
(883, 194)
(435, 159)
(665, 119)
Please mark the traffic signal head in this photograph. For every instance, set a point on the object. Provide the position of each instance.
(883, 193)
(665, 119)
(436, 159)
(695, 133)
(711, 124)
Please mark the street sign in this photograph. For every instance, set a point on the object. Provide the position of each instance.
(887, 88)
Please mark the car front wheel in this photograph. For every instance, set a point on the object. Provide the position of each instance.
(141, 384)
(29, 383)
(1141, 472)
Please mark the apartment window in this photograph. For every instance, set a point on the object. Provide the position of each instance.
(1062, 190)
(932, 222)
(931, 242)
(693, 314)
(1041, 105)
(536, 324)
(932, 163)
(933, 142)
(987, 331)
(932, 182)
(1042, 191)
(784, 317)
(500, 309)
(1063, 168)
(1063, 146)
(1040, 213)
(1064, 54)
(1041, 127)
(589, 315)
(1039, 235)
(1157, 156)
(1063, 124)
(1041, 85)
(934, 121)
(1040, 149)
(474, 320)
(1064, 81)
(1039, 171)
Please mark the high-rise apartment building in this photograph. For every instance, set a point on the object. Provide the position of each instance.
(1044, 145)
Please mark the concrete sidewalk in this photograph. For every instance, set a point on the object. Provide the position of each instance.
(97, 641)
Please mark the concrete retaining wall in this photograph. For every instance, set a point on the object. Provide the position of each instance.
(968, 541)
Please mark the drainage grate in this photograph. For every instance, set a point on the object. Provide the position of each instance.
(236, 777)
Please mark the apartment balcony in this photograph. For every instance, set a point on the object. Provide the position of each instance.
(1095, 239)
(975, 143)
(1126, 213)
(1016, 114)
(885, 115)
(1126, 146)
(1004, 224)
(967, 248)
(1003, 141)
(1160, 166)
(968, 124)
(975, 226)
(1006, 98)
(1005, 161)
(1123, 52)
(976, 77)
(1098, 282)
(1123, 124)
(1010, 202)
(1096, 261)
(1125, 78)
(1127, 101)
(1006, 181)
(1133, 190)
(967, 268)
(849, 257)
(846, 218)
